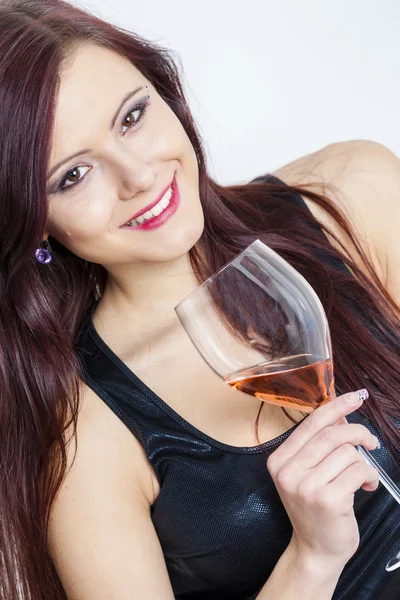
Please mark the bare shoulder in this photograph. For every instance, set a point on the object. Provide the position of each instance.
(363, 179)
(343, 160)
(106, 446)
(364, 175)
(101, 537)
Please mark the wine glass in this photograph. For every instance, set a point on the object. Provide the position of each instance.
(261, 327)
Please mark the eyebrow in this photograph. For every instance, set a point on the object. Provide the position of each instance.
(128, 96)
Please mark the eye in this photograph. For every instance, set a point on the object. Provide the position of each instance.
(77, 174)
(133, 117)
(73, 177)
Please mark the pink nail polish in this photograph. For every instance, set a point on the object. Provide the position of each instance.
(363, 395)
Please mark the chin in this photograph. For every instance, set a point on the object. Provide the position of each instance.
(177, 246)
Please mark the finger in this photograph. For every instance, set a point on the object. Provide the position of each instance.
(328, 440)
(328, 414)
(332, 466)
(357, 475)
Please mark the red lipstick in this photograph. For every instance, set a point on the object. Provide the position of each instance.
(166, 213)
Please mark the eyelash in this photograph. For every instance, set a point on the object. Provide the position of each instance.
(142, 106)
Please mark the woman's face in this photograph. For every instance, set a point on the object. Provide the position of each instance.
(128, 188)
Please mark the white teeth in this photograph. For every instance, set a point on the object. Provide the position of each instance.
(164, 202)
(154, 212)
(157, 209)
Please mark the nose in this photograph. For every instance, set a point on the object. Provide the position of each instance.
(133, 174)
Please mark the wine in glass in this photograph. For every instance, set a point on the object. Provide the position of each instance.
(261, 327)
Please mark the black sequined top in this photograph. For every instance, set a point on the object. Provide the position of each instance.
(218, 516)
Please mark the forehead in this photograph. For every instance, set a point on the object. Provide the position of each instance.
(90, 66)
(93, 80)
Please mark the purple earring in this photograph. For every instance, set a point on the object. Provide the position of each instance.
(43, 255)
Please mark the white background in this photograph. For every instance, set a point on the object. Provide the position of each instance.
(271, 80)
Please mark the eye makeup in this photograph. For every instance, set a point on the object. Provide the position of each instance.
(141, 105)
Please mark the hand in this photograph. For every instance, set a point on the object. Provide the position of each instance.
(316, 471)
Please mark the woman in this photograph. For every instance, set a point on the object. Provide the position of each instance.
(108, 219)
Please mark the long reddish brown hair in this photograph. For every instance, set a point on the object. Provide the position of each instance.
(42, 308)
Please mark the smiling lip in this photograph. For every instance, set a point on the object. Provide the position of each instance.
(150, 206)
(158, 220)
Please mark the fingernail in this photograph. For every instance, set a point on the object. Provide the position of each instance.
(359, 396)
(363, 395)
(378, 444)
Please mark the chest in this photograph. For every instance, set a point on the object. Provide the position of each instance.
(172, 368)
(223, 527)
(220, 522)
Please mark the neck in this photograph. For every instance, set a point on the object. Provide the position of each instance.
(148, 291)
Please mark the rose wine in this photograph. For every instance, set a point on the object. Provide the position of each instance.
(294, 382)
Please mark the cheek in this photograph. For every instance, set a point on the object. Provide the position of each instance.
(164, 144)
(79, 220)
(169, 139)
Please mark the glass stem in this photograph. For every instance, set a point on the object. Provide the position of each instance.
(391, 487)
(384, 478)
